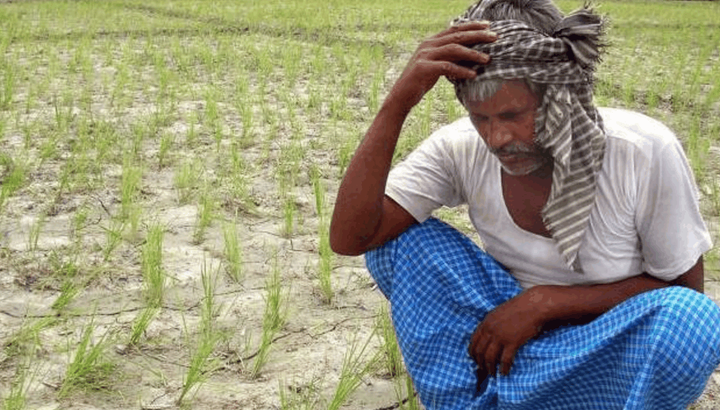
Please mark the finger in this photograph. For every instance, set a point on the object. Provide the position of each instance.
(464, 38)
(507, 359)
(491, 357)
(456, 53)
(466, 26)
(453, 70)
(478, 346)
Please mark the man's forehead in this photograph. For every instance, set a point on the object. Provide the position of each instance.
(512, 95)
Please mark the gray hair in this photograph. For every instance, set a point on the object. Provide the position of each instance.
(541, 15)
(484, 90)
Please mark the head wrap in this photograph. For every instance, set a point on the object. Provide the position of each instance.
(567, 123)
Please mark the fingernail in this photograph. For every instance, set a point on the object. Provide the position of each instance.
(492, 34)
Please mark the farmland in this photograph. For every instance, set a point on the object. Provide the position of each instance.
(168, 171)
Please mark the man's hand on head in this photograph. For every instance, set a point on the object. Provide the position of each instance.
(447, 53)
(504, 330)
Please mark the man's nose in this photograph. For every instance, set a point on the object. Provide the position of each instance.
(498, 135)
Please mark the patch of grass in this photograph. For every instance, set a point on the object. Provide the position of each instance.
(25, 374)
(325, 262)
(113, 236)
(166, 144)
(355, 367)
(27, 337)
(68, 291)
(201, 364)
(186, 180)
(141, 323)
(152, 270)
(34, 233)
(389, 351)
(274, 316)
(232, 252)
(13, 177)
(89, 369)
(205, 215)
(305, 397)
(129, 186)
(405, 393)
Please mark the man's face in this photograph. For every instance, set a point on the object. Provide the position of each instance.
(506, 122)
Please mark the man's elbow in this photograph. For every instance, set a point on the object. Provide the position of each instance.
(694, 278)
(343, 243)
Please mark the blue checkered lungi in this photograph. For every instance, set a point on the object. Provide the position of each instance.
(654, 351)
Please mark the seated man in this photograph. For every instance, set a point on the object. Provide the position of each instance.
(589, 292)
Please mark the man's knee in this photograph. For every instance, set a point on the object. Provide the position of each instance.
(689, 329)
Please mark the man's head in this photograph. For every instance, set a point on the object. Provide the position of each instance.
(543, 16)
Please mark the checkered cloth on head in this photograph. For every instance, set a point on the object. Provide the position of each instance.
(567, 123)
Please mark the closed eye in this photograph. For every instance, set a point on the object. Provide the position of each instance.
(508, 116)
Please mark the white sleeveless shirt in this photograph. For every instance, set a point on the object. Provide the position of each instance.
(646, 216)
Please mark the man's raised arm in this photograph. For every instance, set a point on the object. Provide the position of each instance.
(364, 217)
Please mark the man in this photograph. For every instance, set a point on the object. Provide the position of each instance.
(590, 293)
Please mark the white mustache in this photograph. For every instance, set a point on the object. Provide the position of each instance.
(514, 148)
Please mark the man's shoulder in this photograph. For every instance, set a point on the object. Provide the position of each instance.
(631, 129)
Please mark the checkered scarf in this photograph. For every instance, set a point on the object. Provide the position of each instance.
(567, 123)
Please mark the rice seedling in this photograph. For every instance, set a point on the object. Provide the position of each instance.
(68, 291)
(79, 221)
(238, 175)
(325, 262)
(405, 393)
(373, 96)
(274, 316)
(129, 186)
(25, 374)
(3, 126)
(14, 175)
(27, 337)
(88, 369)
(113, 236)
(201, 365)
(232, 252)
(7, 86)
(166, 144)
(246, 120)
(354, 368)
(292, 56)
(391, 359)
(289, 211)
(318, 190)
(34, 233)
(205, 215)
(141, 323)
(345, 155)
(152, 270)
(286, 174)
(133, 222)
(186, 180)
(191, 135)
(305, 397)
(212, 116)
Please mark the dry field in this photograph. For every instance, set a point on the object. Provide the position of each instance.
(168, 170)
